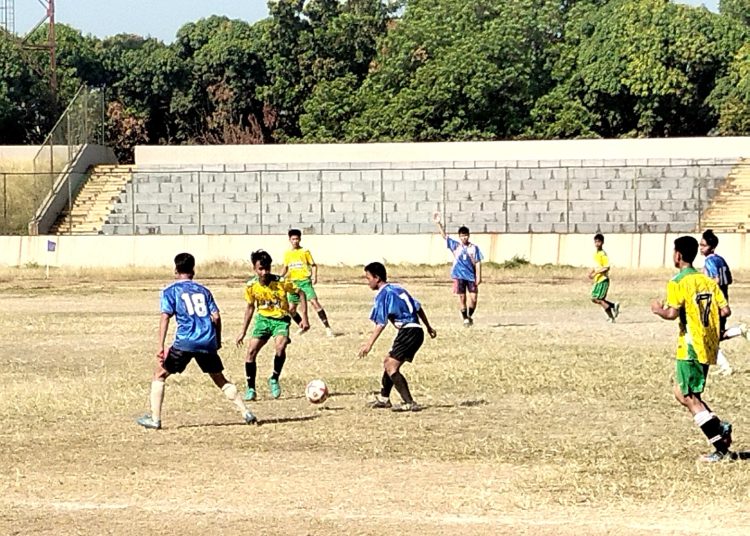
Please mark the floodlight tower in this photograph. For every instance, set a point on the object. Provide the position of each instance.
(8, 16)
(50, 45)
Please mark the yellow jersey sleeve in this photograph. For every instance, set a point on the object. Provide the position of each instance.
(675, 299)
(249, 298)
(308, 258)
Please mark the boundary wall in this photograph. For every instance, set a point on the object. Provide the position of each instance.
(653, 250)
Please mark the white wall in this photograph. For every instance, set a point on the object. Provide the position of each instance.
(532, 150)
(625, 250)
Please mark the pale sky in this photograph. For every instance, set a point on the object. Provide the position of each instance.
(156, 18)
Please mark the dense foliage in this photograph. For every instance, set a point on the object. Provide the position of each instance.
(377, 70)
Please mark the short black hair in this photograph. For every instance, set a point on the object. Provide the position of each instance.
(184, 263)
(378, 270)
(294, 232)
(463, 230)
(711, 239)
(261, 256)
(599, 237)
(687, 246)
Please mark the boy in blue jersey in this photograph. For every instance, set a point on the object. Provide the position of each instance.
(467, 269)
(717, 269)
(393, 303)
(198, 337)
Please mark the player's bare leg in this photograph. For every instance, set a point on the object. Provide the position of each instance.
(230, 391)
(251, 368)
(718, 432)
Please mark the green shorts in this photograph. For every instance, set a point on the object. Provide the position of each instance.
(306, 286)
(690, 376)
(599, 292)
(266, 327)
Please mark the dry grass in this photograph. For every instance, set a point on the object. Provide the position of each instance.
(542, 419)
(21, 192)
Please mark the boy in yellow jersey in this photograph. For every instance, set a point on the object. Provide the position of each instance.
(303, 272)
(268, 293)
(600, 274)
(698, 303)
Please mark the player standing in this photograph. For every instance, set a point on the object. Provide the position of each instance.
(198, 337)
(393, 303)
(600, 274)
(717, 269)
(268, 293)
(467, 269)
(697, 302)
(303, 272)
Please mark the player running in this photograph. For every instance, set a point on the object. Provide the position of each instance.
(600, 274)
(198, 337)
(698, 303)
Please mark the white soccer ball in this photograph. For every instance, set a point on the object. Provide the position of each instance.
(316, 391)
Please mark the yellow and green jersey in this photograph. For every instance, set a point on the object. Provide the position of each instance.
(270, 300)
(698, 299)
(601, 261)
(299, 262)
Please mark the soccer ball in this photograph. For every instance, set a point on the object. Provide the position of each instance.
(316, 391)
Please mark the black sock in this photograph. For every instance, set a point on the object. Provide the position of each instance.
(463, 314)
(609, 312)
(471, 311)
(250, 370)
(297, 318)
(712, 430)
(402, 386)
(387, 385)
(323, 317)
(278, 364)
(609, 304)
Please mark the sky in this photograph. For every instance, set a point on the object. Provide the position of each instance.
(155, 18)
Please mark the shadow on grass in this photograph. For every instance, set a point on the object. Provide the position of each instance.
(285, 420)
(261, 422)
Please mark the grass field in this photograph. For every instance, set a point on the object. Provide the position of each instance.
(542, 419)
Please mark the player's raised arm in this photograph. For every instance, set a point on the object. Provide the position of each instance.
(438, 221)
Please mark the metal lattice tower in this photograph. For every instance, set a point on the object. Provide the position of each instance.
(8, 16)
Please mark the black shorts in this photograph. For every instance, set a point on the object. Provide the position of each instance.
(406, 344)
(177, 360)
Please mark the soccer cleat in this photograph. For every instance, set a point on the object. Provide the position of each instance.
(380, 402)
(717, 456)
(148, 422)
(725, 371)
(329, 333)
(471, 321)
(616, 309)
(250, 418)
(726, 433)
(410, 406)
(467, 322)
(274, 387)
(250, 394)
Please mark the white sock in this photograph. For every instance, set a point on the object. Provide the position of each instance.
(734, 331)
(157, 397)
(702, 417)
(721, 360)
(230, 391)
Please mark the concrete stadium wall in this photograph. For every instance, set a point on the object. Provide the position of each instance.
(572, 195)
(625, 250)
(531, 150)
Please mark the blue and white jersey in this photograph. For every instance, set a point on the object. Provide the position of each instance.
(717, 268)
(394, 303)
(192, 305)
(465, 259)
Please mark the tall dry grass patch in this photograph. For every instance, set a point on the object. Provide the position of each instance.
(21, 192)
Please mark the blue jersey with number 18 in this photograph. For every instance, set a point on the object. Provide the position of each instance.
(394, 303)
(192, 305)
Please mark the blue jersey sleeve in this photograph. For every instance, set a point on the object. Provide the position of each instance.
(211, 303)
(379, 313)
(480, 257)
(711, 267)
(167, 300)
(451, 243)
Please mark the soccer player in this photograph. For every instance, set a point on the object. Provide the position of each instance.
(393, 303)
(198, 337)
(303, 272)
(717, 269)
(697, 302)
(467, 269)
(268, 293)
(600, 274)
